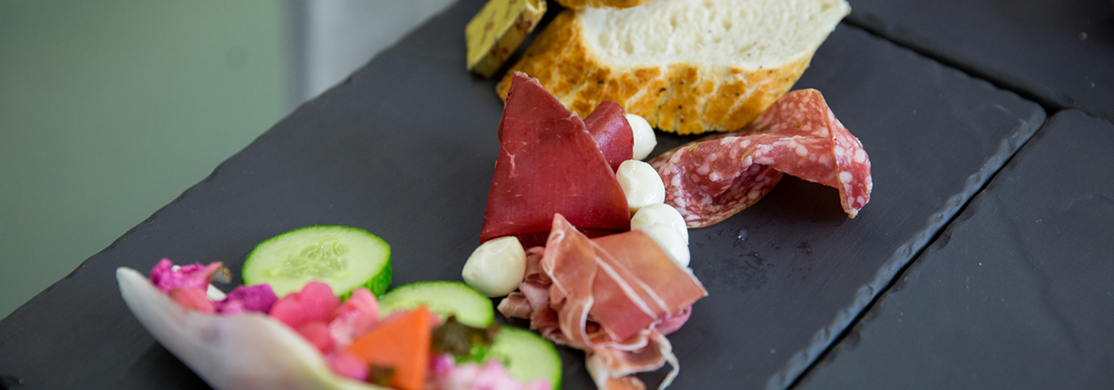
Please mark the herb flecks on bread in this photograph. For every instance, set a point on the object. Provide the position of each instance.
(602, 3)
(687, 66)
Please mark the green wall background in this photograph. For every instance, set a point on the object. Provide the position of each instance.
(110, 109)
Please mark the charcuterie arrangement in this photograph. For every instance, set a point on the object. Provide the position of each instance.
(594, 286)
(581, 238)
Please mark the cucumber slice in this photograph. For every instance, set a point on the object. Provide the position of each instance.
(526, 355)
(343, 257)
(442, 297)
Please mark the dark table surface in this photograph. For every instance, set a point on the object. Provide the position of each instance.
(1057, 52)
(800, 296)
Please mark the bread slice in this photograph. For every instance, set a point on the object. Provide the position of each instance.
(602, 3)
(687, 66)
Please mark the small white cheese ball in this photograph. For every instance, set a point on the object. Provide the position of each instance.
(641, 184)
(670, 242)
(497, 267)
(660, 214)
(644, 139)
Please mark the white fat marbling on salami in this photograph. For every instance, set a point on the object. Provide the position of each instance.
(715, 178)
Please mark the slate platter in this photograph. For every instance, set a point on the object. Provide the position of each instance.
(405, 148)
(1017, 294)
(1059, 52)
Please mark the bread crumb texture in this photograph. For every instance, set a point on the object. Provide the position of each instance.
(602, 3)
(687, 66)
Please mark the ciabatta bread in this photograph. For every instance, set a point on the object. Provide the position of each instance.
(602, 3)
(687, 66)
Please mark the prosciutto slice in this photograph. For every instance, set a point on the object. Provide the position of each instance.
(548, 164)
(611, 296)
(713, 179)
(613, 135)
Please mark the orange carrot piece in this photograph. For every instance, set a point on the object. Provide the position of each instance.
(401, 343)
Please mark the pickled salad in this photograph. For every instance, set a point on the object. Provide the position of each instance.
(408, 346)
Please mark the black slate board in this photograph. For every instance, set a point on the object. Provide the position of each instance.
(1017, 294)
(1060, 52)
(405, 148)
(804, 271)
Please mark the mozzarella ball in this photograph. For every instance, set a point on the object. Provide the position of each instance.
(644, 139)
(641, 184)
(660, 214)
(670, 242)
(497, 267)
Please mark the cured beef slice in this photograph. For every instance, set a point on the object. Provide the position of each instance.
(609, 128)
(712, 179)
(613, 135)
(548, 164)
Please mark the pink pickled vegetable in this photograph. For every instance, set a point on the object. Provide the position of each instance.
(491, 375)
(314, 303)
(348, 365)
(356, 316)
(317, 333)
(192, 298)
(166, 278)
(258, 298)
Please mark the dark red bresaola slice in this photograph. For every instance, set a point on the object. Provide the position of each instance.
(548, 164)
(608, 126)
(613, 135)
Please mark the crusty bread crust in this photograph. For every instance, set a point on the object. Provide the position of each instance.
(602, 3)
(683, 98)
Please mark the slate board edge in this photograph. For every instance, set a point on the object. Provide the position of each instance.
(216, 171)
(1044, 95)
(825, 338)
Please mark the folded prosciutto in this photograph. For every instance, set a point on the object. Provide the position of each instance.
(549, 163)
(715, 178)
(613, 297)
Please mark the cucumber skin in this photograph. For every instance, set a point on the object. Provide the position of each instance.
(517, 333)
(388, 301)
(377, 285)
(509, 339)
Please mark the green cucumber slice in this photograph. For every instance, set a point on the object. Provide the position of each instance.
(526, 355)
(343, 257)
(442, 297)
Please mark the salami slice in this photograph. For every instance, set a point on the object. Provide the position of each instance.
(712, 179)
(548, 164)
(613, 135)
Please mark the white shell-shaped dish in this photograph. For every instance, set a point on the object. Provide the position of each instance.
(230, 352)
